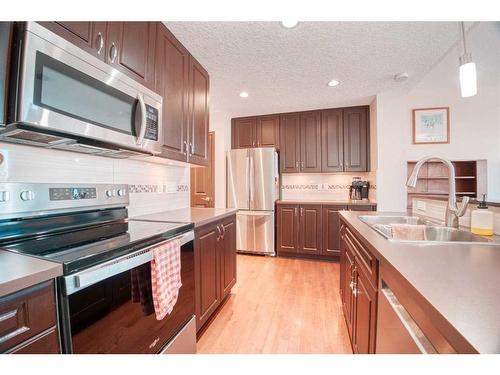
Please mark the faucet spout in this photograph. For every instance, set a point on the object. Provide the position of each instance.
(453, 212)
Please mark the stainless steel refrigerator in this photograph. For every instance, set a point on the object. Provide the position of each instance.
(253, 188)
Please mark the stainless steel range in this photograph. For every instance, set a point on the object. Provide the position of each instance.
(86, 229)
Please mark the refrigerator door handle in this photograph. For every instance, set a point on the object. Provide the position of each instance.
(252, 180)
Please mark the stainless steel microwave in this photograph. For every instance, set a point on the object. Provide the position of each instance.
(65, 98)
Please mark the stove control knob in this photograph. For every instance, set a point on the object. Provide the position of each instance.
(110, 193)
(4, 196)
(27, 195)
(122, 192)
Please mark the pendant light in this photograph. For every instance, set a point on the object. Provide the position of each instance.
(467, 70)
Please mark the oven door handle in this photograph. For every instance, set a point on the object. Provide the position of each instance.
(90, 276)
(141, 132)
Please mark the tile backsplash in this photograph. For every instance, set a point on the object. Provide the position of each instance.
(323, 186)
(154, 187)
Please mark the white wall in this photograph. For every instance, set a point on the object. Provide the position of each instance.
(220, 123)
(155, 187)
(475, 121)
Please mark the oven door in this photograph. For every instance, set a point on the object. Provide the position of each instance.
(63, 89)
(101, 317)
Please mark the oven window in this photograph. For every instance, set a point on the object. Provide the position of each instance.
(65, 90)
(116, 315)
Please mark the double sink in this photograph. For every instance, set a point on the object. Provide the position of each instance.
(433, 232)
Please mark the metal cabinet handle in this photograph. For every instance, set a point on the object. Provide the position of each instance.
(113, 52)
(301, 211)
(219, 233)
(296, 164)
(223, 230)
(191, 147)
(295, 210)
(101, 43)
(185, 148)
(302, 164)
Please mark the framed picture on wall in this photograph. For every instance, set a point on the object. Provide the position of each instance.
(431, 125)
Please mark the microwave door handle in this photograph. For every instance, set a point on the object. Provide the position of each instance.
(142, 125)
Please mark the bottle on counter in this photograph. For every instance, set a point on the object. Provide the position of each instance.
(481, 220)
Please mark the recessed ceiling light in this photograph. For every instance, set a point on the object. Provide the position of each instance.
(401, 77)
(333, 83)
(243, 94)
(289, 24)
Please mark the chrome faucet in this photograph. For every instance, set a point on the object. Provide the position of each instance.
(453, 212)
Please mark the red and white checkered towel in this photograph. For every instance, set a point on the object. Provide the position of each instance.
(166, 277)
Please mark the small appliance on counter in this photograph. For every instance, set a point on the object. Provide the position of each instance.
(358, 189)
(104, 255)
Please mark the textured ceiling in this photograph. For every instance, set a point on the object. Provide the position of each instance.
(288, 69)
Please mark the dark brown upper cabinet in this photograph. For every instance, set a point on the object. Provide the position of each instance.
(267, 131)
(332, 147)
(310, 142)
(198, 121)
(89, 36)
(127, 46)
(243, 132)
(356, 139)
(131, 49)
(261, 131)
(290, 143)
(172, 83)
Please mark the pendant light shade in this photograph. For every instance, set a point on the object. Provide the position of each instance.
(467, 70)
(468, 82)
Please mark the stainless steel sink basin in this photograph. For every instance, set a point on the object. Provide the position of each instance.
(388, 220)
(433, 233)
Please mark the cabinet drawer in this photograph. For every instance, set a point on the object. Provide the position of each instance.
(45, 343)
(365, 259)
(26, 313)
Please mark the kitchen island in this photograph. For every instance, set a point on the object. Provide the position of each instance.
(449, 290)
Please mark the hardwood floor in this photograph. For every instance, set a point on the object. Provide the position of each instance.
(280, 305)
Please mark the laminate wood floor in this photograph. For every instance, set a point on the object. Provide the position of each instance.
(280, 305)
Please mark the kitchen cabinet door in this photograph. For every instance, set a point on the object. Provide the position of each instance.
(267, 131)
(287, 227)
(310, 229)
(243, 132)
(198, 113)
(171, 81)
(207, 273)
(365, 315)
(290, 143)
(310, 141)
(89, 36)
(227, 247)
(331, 230)
(131, 49)
(332, 147)
(356, 139)
(346, 284)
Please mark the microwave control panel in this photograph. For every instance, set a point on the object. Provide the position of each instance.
(151, 123)
(72, 193)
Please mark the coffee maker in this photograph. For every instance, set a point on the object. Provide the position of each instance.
(358, 189)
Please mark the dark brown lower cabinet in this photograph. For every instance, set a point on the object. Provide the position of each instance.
(331, 230)
(310, 229)
(358, 292)
(28, 321)
(215, 266)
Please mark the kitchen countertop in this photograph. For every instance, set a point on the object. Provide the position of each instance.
(20, 271)
(460, 281)
(197, 215)
(349, 202)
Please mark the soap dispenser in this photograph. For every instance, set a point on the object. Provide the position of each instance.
(481, 221)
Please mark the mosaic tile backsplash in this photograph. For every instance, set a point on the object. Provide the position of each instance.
(323, 186)
(154, 187)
